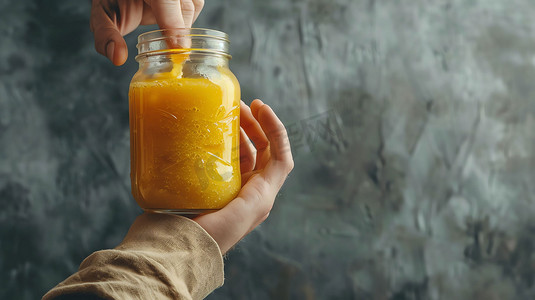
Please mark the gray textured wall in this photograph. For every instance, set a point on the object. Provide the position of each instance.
(412, 125)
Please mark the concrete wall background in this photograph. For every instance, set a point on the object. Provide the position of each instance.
(413, 130)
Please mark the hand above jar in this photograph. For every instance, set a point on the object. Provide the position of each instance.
(112, 19)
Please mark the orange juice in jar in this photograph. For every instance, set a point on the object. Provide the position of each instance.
(184, 122)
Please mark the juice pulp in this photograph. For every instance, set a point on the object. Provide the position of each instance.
(185, 141)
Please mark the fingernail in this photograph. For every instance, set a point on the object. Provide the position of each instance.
(110, 49)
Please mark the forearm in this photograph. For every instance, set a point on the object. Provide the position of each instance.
(162, 257)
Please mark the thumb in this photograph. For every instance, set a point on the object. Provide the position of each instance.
(108, 40)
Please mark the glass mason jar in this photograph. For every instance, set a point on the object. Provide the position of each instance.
(184, 122)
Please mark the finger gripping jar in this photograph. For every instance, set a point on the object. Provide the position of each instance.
(184, 122)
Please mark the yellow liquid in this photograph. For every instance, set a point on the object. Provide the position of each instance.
(185, 141)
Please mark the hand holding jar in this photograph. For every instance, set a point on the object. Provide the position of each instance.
(263, 170)
(265, 166)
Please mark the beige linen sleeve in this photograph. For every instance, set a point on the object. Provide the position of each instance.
(161, 257)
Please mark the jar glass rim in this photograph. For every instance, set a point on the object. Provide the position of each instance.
(191, 40)
(181, 32)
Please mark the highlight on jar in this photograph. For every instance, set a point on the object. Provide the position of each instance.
(184, 107)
